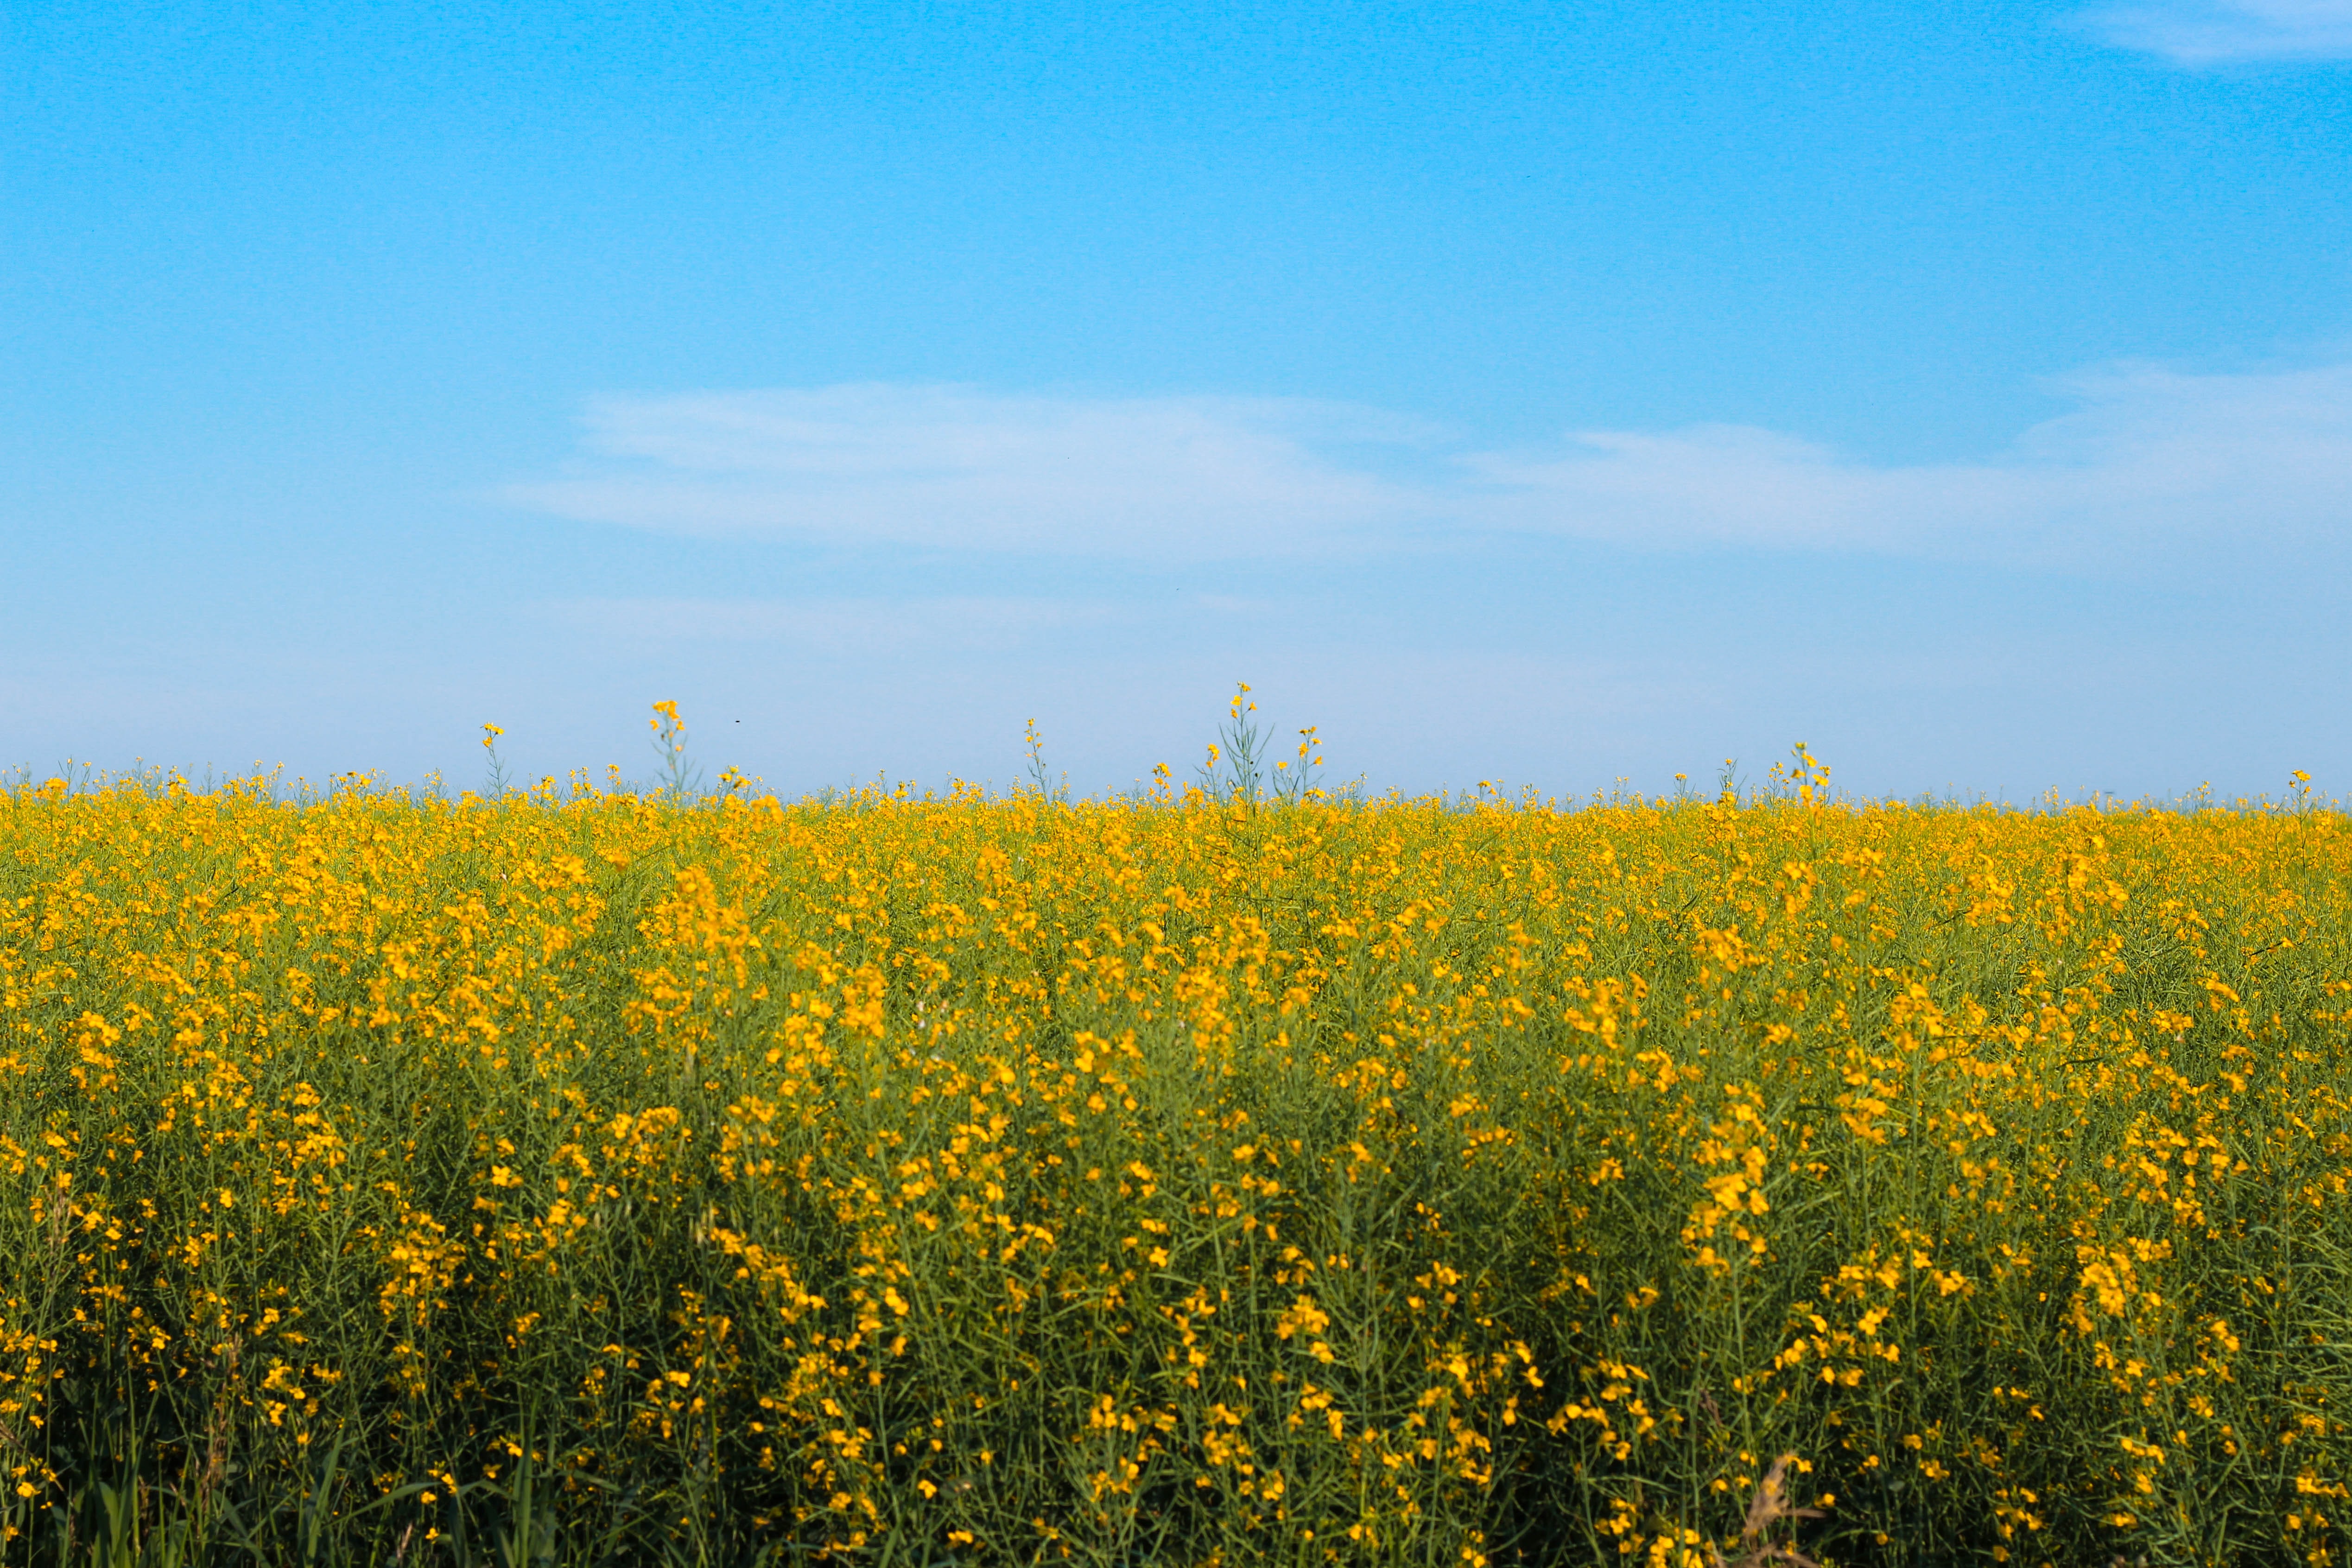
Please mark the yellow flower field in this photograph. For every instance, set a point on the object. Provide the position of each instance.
(587, 1177)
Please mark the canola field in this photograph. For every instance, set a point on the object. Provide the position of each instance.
(601, 1178)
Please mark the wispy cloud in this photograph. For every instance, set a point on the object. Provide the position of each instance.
(952, 468)
(2148, 460)
(2224, 32)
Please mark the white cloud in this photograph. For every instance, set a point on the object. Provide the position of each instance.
(952, 468)
(2149, 461)
(2222, 32)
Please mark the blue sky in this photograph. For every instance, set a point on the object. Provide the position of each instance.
(1554, 393)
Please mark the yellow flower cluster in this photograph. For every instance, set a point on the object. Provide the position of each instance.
(987, 1180)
